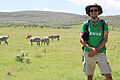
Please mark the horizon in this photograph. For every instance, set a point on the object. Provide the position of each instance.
(53, 11)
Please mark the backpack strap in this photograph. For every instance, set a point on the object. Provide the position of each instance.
(102, 21)
(87, 24)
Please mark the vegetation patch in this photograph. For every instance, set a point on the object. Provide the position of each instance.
(23, 57)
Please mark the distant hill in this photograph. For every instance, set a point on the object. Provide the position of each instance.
(112, 20)
(52, 18)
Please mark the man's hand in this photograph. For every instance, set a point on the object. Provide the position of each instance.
(92, 52)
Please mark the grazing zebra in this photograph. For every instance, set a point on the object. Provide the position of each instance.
(4, 38)
(54, 37)
(34, 39)
(45, 40)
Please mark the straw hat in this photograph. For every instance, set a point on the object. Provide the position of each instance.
(93, 5)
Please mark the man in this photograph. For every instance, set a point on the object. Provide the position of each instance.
(94, 49)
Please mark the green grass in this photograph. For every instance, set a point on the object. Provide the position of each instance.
(61, 60)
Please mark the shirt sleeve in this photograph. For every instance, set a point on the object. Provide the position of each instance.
(106, 27)
(83, 27)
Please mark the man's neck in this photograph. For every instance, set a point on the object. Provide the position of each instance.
(94, 20)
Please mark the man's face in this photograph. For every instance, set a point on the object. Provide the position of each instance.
(94, 12)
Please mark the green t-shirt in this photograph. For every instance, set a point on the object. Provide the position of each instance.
(96, 34)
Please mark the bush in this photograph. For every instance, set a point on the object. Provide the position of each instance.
(23, 57)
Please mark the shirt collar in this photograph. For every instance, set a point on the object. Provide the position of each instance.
(96, 22)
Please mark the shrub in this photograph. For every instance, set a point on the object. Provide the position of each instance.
(23, 57)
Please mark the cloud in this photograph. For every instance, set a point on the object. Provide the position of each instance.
(47, 9)
(107, 4)
(18, 10)
(6, 11)
(35, 9)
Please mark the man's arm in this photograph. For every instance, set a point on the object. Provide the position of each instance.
(84, 43)
(105, 39)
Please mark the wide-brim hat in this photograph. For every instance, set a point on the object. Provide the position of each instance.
(93, 5)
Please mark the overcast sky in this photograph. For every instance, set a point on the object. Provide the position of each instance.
(110, 7)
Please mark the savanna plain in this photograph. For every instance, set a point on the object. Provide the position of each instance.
(60, 60)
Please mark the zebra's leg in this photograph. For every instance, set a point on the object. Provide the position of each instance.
(47, 42)
(52, 38)
(58, 38)
(31, 43)
(39, 43)
(6, 42)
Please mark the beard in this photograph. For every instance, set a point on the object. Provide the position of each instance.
(94, 17)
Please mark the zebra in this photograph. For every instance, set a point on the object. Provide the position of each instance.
(33, 39)
(4, 38)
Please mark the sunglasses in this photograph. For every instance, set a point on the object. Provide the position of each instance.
(94, 10)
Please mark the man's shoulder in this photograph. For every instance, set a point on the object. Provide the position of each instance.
(104, 21)
(86, 22)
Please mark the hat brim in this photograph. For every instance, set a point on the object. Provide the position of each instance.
(88, 9)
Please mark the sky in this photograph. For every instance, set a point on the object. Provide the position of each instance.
(110, 7)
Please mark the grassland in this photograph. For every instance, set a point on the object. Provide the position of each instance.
(61, 60)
